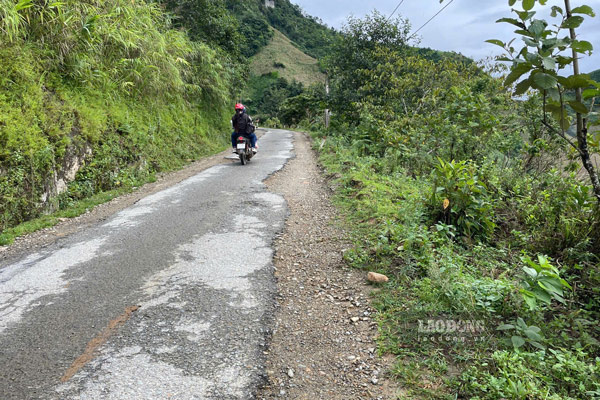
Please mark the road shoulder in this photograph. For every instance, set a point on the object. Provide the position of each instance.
(323, 345)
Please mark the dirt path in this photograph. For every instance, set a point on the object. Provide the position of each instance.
(323, 344)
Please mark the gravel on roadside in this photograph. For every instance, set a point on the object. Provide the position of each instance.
(323, 345)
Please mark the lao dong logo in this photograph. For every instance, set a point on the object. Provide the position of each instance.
(451, 330)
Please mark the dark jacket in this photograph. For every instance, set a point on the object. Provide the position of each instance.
(240, 122)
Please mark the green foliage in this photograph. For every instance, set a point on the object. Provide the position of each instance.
(543, 57)
(461, 199)
(306, 106)
(252, 25)
(542, 282)
(268, 92)
(121, 47)
(255, 21)
(12, 18)
(452, 240)
(523, 334)
(309, 33)
(558, 212)
(417, 111)
(360, 48)
(439, 56)
(106, 85)
(210, 22)
(273, 123)
(556, 374)
(539, 64)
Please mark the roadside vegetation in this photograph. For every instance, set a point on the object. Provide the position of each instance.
(105, 91)
(475, 203)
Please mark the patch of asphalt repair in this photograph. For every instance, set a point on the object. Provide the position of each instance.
(197, 260)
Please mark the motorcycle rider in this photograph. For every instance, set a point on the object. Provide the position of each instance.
(240, 122)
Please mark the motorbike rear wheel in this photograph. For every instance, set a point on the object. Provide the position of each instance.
(243, 158)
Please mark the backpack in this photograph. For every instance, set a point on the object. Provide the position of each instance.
(242, 123)
(250, 128)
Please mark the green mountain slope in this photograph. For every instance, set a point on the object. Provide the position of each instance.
(280, 71)
(308, 33)
(281, 56)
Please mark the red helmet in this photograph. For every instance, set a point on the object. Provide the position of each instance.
(239, 106)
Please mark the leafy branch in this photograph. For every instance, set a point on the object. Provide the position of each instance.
(540, 65)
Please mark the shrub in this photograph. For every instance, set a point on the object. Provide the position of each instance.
(559, 213)
(542, 283)
(555, 374)
(273, 123)
(461, 199)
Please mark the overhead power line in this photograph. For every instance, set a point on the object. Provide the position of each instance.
(395, 9)
(430, 19)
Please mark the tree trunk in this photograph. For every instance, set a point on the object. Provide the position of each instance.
(582, 140)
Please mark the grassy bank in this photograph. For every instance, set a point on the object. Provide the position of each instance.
(515, 351)
(98, 97)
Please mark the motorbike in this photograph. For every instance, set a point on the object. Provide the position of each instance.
(244, 149)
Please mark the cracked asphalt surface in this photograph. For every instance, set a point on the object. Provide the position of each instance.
(197, 260)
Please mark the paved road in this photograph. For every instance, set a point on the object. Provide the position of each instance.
(168, 299)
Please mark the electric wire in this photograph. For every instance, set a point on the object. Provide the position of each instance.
(395, 9)
(430, 19)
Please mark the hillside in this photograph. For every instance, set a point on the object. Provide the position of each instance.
(90, 110)
(308, 33)
(281, 56)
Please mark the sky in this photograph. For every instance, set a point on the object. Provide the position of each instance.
(463, 27)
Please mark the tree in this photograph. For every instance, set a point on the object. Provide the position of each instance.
(358, 50)
(540, 65)
(207, 21)
(305, 106)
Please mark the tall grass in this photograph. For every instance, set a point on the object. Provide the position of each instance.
(122, 46)
(12, 18)
(110, 77)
